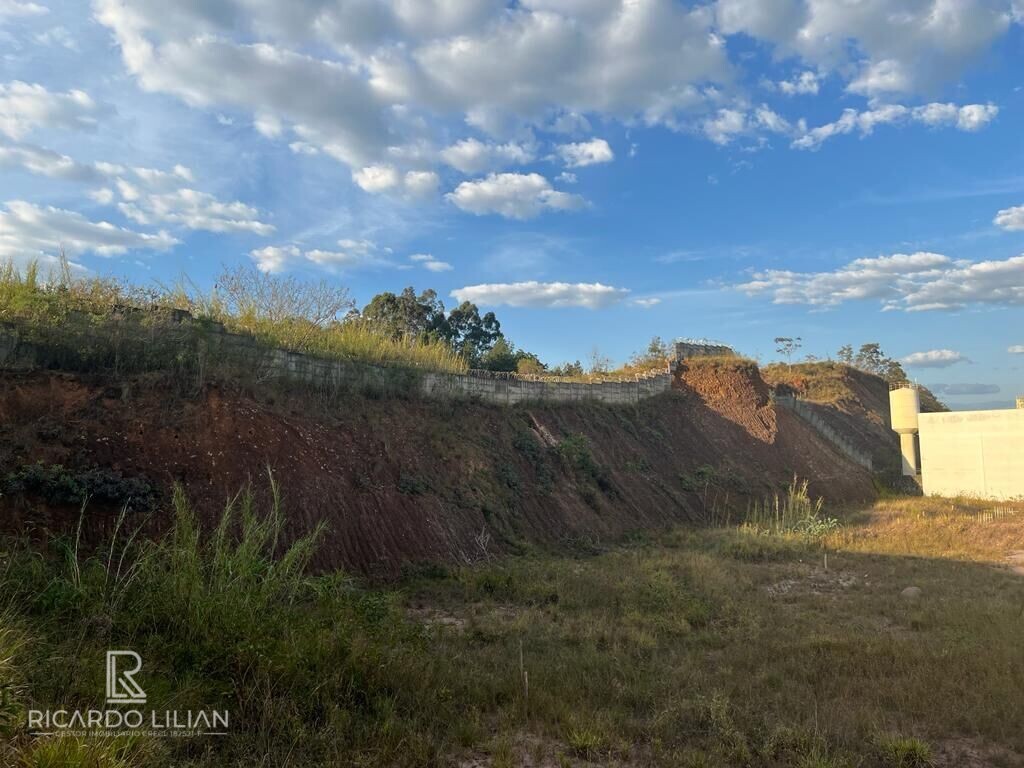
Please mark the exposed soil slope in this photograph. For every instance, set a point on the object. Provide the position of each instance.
(402, 482)
(854, 403)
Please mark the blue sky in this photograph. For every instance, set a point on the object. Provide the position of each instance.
(594, 171)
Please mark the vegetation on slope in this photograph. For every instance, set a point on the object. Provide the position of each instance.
(825, 381)
(278, 311)
(318, 318)
(702, 648)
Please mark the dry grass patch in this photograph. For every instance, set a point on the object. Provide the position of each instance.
(972, 530)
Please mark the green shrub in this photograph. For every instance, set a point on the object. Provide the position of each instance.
(576, 454)
(698, 479)
(60, 485)
(904, 752)
(413, 484)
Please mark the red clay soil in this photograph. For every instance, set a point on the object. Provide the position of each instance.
(405, 482)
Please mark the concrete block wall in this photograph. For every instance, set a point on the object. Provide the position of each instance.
(805, 412)
(509, 390)
(684, 349)
(216, 351)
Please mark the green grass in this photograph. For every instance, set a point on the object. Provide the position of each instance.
(720, 647)
(278, 312)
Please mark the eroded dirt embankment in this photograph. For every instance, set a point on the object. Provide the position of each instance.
(401, 482)
(851, 401)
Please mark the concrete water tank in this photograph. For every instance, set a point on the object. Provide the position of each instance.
(904, 407)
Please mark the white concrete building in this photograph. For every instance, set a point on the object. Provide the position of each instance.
(971, 453)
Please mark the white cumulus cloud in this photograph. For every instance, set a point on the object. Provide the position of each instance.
(431, 264)
(475, 156)
(11, 8)
(547, 295)
(970, 117)
(393, 87)
(933, 358)
(26, 106)
(586, 153)
(356, 79)
(377, 179)
(1011, 218)
(910, 282)
(805, 83)
(347, 255)
(28, 230)
(46, 162)
(513, 195)
(148, 196)
(421, 184)
(891, 46)
(195, 210)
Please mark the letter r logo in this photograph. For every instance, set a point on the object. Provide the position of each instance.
(121, 685)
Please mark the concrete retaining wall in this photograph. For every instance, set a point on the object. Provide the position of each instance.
(202, 350)
(973, 453)
(806, 412)
(512, 390)
(684, 349)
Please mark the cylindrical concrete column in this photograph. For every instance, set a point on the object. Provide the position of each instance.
(908, 452)
(904, 407)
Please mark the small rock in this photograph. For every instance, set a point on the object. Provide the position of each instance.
(911, 594)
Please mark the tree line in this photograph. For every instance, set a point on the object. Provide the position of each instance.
(476, 337)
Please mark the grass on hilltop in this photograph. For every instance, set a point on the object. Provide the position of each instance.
(725, 647)
(822, 382)
(280, 312)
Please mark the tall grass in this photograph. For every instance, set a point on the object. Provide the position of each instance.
(793, 512)
(222, 582)
(226, 617)
(358, 340)
(279, 312)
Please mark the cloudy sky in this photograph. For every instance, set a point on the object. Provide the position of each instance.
(595, 171)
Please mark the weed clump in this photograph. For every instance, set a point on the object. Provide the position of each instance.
(793, 514)
(904, 752)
